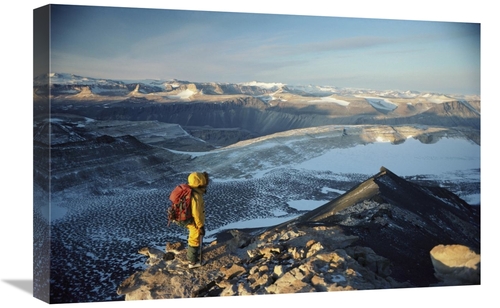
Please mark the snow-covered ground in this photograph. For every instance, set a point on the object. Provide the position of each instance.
(409, 158)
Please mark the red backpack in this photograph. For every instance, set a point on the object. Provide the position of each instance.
(179, 211)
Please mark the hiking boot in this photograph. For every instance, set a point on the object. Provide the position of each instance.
(194, 265)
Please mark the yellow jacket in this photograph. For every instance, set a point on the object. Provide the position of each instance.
(198, 182)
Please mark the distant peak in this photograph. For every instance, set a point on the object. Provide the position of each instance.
(266, 85)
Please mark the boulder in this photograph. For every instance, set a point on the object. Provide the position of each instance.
(455, 265)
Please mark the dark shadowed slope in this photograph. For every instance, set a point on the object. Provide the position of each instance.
(401, 221)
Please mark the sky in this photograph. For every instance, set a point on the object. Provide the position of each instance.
(16, 165)
(205, 46)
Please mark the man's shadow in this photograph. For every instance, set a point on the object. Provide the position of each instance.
(21, 284)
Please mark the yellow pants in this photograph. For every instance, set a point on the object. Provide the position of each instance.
(194, 236)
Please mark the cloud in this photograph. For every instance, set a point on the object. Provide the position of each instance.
(350, 43)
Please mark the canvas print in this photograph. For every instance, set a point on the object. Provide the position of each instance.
(182, 154)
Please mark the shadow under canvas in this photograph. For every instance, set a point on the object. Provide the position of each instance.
(21, 284)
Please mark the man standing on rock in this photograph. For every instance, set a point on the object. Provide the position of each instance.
(198, 181)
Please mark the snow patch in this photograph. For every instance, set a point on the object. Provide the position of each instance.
(338, 278)
(251, 223)
(381, 103)
(472, 199)
(182, 95)
(330, 100)
(265, 85)
(306, 205)
(325, 190)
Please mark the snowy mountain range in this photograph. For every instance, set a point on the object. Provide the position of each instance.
(69, 84)
(107, 153)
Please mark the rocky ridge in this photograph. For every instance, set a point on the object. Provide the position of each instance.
(352, 243)
(290, 261)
